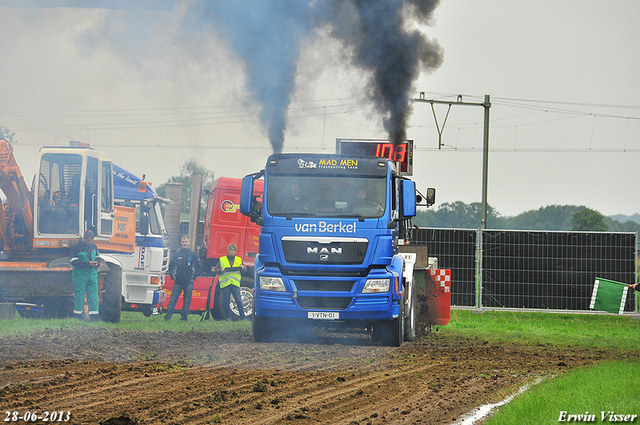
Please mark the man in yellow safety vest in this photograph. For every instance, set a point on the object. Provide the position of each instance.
(230, 267)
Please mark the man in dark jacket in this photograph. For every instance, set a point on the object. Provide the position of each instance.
(85, 259)
(183, 269)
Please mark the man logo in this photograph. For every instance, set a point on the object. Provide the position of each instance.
(324, 257)
(323, 250)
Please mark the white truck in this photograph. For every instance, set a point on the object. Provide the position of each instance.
(143, 272)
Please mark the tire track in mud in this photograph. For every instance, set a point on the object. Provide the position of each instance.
(202, 379)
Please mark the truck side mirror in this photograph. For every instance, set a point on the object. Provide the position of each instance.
(144, 224)
(408, 198)
(431, 196)
(246, 195)
(144, 220)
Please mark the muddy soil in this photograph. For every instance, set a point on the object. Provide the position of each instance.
(108, 376)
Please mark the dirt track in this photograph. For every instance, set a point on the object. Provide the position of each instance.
(109, 376)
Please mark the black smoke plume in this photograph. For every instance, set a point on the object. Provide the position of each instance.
(267, 34)
(377, 32)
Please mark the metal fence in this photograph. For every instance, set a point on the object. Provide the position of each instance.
(530, 269)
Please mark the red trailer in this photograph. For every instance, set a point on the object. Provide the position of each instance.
(199, 295)
(224, 224)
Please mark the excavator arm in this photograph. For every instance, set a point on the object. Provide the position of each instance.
(16, 213)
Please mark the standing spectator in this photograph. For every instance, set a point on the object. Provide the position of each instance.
(183, 268)
(230, 267)
(85, 259)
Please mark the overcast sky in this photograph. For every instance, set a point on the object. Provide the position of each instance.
(152, 92)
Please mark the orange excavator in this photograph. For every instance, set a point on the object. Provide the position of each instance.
(73, 192)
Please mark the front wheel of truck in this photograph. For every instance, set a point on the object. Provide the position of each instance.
(111, 305)
(262, 329)
(391, 332)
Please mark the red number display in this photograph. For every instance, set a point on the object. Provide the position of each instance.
(386, 150)
(401, 153)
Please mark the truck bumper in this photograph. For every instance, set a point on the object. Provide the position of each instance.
(305, 299)
(267, 306)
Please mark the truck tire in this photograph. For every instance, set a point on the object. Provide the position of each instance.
(410, 320)
(246, 294)
(391, 332)
(262, 329)
(56, 307)
(394, 334)
(111, 306)
(146, 309)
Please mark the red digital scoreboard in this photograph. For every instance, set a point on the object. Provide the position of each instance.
(401, 153)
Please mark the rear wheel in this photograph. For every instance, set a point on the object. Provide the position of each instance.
(146, 309)
(111, 306)
(247, 303)
(57, 307)
(410, 320)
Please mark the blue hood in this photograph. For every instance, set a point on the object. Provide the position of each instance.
(125, 186)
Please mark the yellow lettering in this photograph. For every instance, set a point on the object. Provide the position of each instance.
(349, 163)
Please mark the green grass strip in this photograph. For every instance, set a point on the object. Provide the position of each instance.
(604, 393)
(131, 321)
(563, 329)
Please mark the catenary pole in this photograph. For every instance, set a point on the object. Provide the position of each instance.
(485, 145)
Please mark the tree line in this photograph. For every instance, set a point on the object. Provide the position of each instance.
(459, 215)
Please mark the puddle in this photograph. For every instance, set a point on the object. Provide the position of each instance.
(483, 412)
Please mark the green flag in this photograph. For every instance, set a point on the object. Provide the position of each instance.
(609, 295)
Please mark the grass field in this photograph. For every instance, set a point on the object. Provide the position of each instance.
(593, 391)
(132, 321)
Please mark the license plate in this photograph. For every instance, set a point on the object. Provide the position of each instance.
(323, 315)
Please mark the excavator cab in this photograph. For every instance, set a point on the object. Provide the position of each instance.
(74, 193)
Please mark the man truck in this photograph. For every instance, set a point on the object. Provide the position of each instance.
(72, 192)
(326, 256)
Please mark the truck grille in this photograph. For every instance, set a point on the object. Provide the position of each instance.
(137, 278)
(324, 303)
(165, 260)
(300, 250)
(324, 285)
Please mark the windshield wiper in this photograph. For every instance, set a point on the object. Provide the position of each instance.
(289, 216)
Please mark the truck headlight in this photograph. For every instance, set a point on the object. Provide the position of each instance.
(373, 286)
(269, 283)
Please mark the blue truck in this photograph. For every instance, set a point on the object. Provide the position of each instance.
(328, 248)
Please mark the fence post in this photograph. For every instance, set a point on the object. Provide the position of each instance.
(478, 268)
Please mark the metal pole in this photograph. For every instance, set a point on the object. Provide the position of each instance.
(485, 160)
(485, 151)
(172, 215)
(194, 216)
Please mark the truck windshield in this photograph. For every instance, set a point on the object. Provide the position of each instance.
(58, 191)
(326, 196)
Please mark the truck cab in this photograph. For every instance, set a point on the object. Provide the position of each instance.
(328, 250)
(143, 271)
(74, 193)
